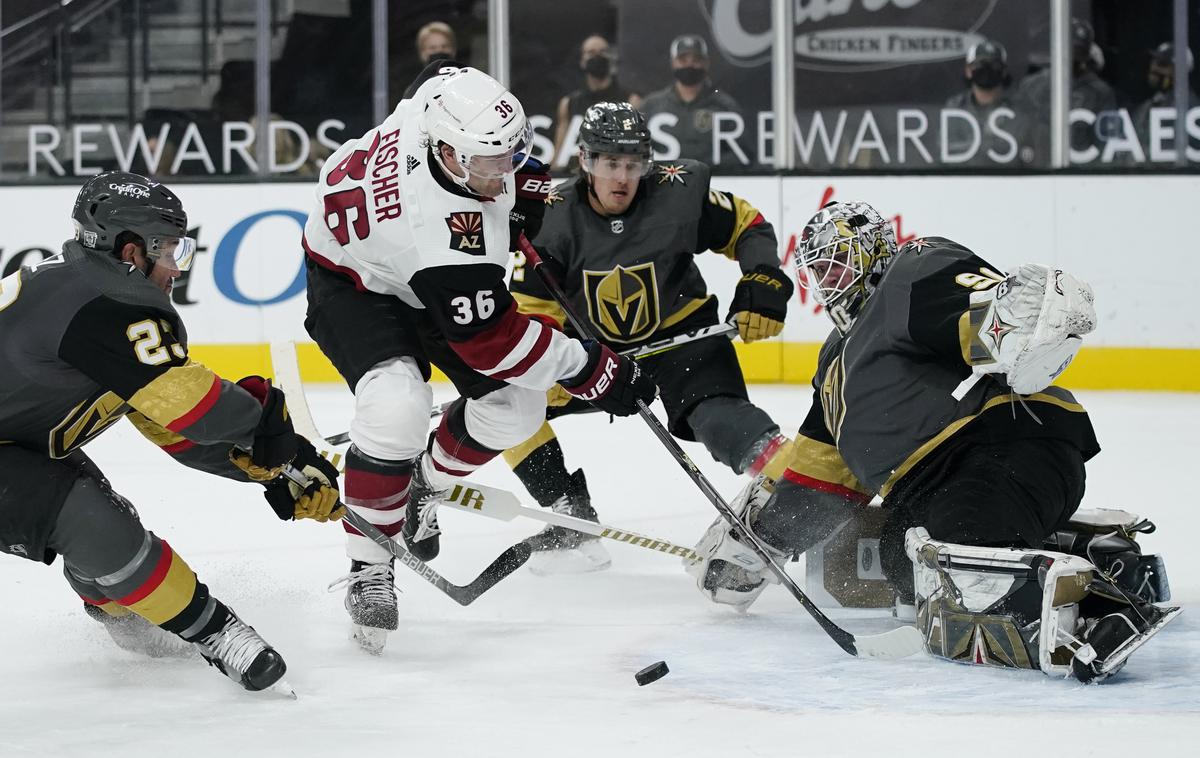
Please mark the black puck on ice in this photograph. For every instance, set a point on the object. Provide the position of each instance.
(651, 673)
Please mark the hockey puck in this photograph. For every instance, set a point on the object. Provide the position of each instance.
(651, 673)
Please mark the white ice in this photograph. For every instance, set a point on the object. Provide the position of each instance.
(544, 666)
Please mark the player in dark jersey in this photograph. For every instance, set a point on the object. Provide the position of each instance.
(623, 238)
(934, 392)
(90, 336)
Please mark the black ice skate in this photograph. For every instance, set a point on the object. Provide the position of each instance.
(238, 652)
(421, 530)
(559, 550)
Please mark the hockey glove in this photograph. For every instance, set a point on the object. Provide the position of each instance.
(611, 382)
(274, 437)
(760, 303)
(533, 187)
(1035, 325)
(318, 500)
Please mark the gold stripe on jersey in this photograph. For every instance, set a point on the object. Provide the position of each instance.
(174, 392)
(85, 422)
(536, 306)
(1055, 396)
(688, 309)
(515, 455)
(817, 460)
(970, 325)
(744, 215)
(156, 433)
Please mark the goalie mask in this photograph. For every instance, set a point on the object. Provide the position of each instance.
(484, 123)
(844, 250)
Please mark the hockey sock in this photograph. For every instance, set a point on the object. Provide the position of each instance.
(539, 464)
(452, 451)
(377, 490)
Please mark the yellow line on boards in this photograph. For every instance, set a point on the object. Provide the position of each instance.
(1109, 368)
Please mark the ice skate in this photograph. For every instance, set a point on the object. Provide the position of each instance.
(238, 652)
(371, 603)
(559, 550)
(421, 531)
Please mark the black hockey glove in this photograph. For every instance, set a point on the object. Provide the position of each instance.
(533, 187)
(274, 437)
(760, 303)
(611, 382)
(318, 500)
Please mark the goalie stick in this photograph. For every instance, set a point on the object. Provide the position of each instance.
(650, 348)
(898, 643)
(486, 501)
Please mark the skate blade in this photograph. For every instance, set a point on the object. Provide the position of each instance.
(370, 639)
(1117, 659)
(282, 688)
(588, 557)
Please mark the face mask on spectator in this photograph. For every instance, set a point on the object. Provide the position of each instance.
(1159, 82)
(598, 66)
(439, 56)
(987, 77)
(690, 76)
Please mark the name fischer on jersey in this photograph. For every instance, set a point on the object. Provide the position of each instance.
(384, 187)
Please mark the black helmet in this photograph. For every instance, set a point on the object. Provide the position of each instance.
(117, 202)
(615, 128)
(987, 51)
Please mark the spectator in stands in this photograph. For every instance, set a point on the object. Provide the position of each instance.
(436, 41)
(1088, 91)
(598, 65)
(1161, 78)
(988, 80)
(693, 99)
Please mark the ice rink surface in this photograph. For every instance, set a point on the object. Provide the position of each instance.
(544, 666)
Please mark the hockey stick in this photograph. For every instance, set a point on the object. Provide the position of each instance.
(898, 643)
(509, 561)
(287, 377)
(477, 498)
(650, 348)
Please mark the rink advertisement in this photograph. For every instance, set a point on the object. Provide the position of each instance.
(247, 286)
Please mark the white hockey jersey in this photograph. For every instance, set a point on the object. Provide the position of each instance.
(388, 218)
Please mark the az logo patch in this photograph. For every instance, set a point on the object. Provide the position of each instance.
(466, 232)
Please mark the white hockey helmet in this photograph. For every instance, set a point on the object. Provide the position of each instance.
(481, 120)
(844, 250)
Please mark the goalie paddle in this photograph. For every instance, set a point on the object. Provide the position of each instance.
(897, 643)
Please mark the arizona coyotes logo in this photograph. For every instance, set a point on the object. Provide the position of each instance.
(466, 232)
(623, 302)
(84, 422)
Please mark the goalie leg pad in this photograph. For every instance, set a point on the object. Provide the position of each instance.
(1108, 538)
(1032, 609)
(730, 572)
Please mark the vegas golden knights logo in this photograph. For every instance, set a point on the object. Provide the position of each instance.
(623, 302)
(466, 232)
(84, 422)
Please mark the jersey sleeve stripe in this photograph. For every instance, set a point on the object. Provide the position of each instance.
(534, 354)
(199, 409)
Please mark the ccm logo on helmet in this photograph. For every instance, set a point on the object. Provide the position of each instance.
(130, 190)
(604, 382)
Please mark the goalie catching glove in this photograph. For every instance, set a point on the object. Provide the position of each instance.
(611, 382)
(760, 303)
(276, 444)
(1033, 325)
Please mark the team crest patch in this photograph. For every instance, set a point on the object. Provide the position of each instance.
(466, 232)
(553, 197)
(623, 302)
(671, 174)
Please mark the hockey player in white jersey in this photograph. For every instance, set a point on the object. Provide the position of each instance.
(406, 252)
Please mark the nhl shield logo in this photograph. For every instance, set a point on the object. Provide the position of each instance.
(617, 226)
(623, 302)
(466, 232)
